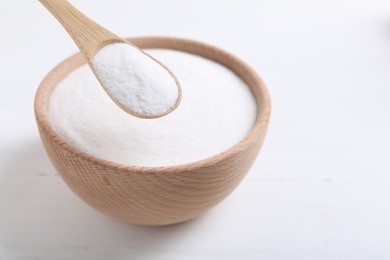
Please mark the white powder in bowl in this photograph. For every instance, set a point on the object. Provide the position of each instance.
(216, 112)
(134, 80)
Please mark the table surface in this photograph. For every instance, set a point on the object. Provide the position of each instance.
(318, 190)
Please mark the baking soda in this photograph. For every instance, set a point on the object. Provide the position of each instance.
(134, 80)
(216, 112)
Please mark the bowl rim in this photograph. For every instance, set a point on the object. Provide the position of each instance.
(259, 128)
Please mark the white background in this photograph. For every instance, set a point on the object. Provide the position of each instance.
(320, 188)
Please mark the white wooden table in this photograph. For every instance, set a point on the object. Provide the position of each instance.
(321, 186)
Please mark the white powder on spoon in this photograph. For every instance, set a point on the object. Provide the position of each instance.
(216, 112)
(135, 81)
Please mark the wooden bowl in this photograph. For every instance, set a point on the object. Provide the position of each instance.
(155, 195)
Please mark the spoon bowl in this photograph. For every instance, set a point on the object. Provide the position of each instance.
(91, 38)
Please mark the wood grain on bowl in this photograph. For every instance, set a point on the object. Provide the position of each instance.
(155, 195)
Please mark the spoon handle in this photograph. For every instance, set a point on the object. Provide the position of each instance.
(87, 34)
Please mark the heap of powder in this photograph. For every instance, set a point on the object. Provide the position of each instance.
(217, 111)
(134, 80)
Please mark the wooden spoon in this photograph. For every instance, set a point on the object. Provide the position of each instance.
(90, 38)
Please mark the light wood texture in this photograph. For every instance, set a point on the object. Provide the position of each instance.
(163, 195)
(90, 37)
(86, 33)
